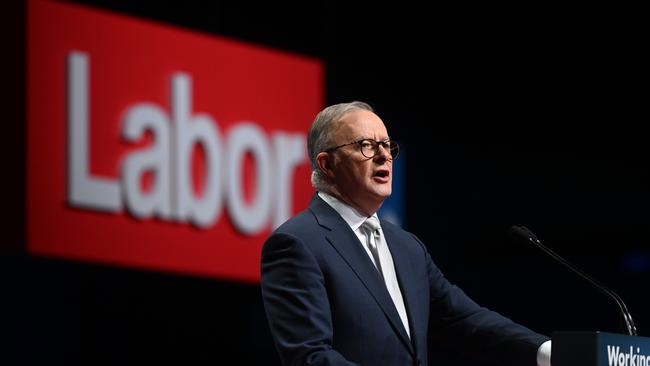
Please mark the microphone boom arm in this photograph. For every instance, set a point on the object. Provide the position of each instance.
(627, 317)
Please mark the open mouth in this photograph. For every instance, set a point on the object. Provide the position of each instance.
(381, 175)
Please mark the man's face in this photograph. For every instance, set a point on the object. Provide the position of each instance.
(363, 182)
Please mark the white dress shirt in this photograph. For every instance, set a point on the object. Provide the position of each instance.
(351, 216)
(544, 354)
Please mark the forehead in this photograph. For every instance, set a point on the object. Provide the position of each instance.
(361, 123)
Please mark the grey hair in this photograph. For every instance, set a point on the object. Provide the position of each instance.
(320, 135)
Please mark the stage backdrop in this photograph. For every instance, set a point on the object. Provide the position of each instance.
(154, 147)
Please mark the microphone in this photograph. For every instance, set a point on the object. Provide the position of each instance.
(522, 233)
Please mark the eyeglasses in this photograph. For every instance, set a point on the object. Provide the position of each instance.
(370, 148)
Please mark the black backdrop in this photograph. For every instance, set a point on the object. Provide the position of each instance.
(517, 113)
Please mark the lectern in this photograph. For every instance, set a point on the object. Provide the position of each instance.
(599, 349)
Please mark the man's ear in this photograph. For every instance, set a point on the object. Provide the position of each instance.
(325, 165)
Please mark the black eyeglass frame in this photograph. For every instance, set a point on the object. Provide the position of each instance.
(391, 146)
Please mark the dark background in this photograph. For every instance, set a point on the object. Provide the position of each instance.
(522, 112)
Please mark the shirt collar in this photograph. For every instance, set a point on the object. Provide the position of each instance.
(352, 216)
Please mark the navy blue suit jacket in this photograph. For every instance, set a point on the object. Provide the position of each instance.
(327, 304)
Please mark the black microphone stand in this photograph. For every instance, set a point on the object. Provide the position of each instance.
(522, 231)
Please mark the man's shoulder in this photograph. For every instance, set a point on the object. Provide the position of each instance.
(301, 223)
(301, 217)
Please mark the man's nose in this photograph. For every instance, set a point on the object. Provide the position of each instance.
(382, 153)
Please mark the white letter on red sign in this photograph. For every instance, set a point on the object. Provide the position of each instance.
(289, 153)
(156, 159)
(189, 130)
(249, 219)
(84, 190)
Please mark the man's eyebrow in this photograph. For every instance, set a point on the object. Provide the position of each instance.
(370, 138)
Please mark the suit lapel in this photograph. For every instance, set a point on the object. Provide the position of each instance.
(405, 276)
(346, 243)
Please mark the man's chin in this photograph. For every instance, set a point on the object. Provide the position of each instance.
(383, 193)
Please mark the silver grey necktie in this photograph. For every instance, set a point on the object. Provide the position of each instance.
(371, 229)
(384, 263)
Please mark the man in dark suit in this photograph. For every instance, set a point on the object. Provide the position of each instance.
(342, 288)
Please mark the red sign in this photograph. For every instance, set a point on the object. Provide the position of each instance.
(154, 147)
